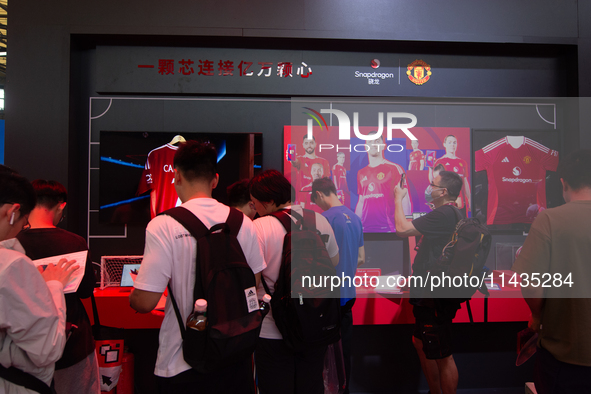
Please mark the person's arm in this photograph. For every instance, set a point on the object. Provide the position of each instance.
(359, 206)
(422, 166)
(33, 308)
(361, 256)
(404, 228)
(144, 301)
(467, 193)
(533, 296)
(535, 257)
(335, 260)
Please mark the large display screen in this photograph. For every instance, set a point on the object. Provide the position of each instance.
(366, 172)
(137, 173)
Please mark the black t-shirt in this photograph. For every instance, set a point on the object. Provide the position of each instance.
(436, 228)
(46, 242)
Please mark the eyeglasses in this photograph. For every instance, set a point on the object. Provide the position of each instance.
(440, 187)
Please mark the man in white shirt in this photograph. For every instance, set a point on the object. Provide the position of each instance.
(170, 257)
(32, 305)
(281, 370)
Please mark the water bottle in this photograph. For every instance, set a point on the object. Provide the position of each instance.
(198, 319)
(265, 304)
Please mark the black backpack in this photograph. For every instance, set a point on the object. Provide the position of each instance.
(465, 254)
(226, 281)
(307, 316)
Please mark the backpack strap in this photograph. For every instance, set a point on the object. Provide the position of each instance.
(24, 379)
(283, 215)
(198, 230)
(234, 221)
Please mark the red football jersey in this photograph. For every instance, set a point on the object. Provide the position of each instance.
(460, 167)
(415, 159)
(158, 176)
(516, 178)
(376, 185)
(305, 171)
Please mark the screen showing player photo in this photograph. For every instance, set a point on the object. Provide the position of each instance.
(365, 173)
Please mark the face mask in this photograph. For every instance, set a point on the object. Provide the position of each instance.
(428, 197)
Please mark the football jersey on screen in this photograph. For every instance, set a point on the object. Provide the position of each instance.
(460, 167)
(376, 185)
(415, 159)
(305, 171)
(516, 179)
(158, 176)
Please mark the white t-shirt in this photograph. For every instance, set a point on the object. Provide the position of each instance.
(270, 234)
(169, 255)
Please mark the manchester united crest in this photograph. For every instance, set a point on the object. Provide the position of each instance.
(527, 159)
(418, 72)
(380, 176)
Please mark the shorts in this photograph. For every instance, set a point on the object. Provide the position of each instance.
(433, 328)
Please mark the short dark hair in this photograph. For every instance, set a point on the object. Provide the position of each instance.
(49, 193)
(324, 185)
(196, 160)
(574, 169)
(452, 182)
(306, 136)
(439, 167)
(271, 185)
(15, 189)
(238, 193)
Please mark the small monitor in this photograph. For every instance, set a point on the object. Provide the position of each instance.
(126, 274)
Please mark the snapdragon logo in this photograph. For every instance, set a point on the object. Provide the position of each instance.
(345, 128)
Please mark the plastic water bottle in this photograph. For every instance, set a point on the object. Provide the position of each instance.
(198, 319)
(265, 303)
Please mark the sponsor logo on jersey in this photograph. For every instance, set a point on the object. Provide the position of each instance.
(516, 171)
(380, 176)
(456, 169)
(374, 195)
(168, 168)
(505, 160)
(364, 178)
(518, 180)
(418, 72)
(371, 187)
(527, 159)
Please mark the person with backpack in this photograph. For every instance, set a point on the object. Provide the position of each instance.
(348, 231)
(170, 260)
(283, 366)
(433, 316)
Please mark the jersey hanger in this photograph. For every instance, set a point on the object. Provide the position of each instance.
(177, 139)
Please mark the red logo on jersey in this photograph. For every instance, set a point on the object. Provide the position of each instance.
(380, 176)
(527, 159)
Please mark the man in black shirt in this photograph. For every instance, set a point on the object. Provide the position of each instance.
(433, 316)
(77, 370)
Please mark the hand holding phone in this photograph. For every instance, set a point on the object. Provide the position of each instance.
(402, 180)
